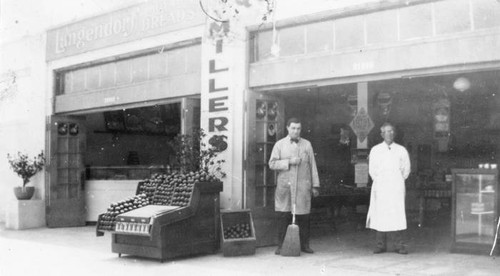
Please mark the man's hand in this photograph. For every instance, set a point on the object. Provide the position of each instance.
(294, 161)
(315, 192)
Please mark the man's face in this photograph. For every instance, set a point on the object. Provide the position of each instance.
(388, 134)
(294, 130)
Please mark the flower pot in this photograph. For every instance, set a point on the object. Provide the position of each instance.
(24, 193)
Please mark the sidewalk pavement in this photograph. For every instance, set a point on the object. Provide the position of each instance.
(344, 251)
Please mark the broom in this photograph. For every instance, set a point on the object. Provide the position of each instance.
(291, 243)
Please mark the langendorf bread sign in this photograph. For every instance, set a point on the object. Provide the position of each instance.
(129, 24)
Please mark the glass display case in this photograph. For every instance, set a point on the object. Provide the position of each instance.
(475, 210)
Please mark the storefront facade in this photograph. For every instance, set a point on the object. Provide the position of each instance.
(351, 71)
(123, 84)
(120, 84)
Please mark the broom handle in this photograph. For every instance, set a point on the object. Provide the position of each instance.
(294, 195)
(293, 191)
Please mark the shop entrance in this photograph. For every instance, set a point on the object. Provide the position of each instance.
(99, 157)
(266, 126)
(325, 113)
(65, 192)
(444, 121)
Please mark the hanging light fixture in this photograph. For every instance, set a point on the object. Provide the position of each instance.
(461, 84)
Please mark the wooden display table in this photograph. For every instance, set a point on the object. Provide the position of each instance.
(164, 232)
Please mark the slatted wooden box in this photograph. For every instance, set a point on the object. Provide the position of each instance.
(237, 246)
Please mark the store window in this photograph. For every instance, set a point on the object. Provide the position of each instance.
(140, 68)
(349, 32)
(122, 73)
(107, 70)
(93, 78)
(158, 66)
(486, 13)
(381, 27)
(292, 41)
(452, 18)
(262, 49)
(133, 136)
(130, 71)
(319, 37)
(415, 22)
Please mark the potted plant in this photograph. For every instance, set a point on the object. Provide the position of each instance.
(25, 167)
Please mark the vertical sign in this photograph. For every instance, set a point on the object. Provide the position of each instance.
(216, 108)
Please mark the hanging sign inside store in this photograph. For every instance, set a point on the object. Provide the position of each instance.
(129, 24)
(361, 124)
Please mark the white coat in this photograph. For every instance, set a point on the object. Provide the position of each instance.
(302, 177)
(389, 166)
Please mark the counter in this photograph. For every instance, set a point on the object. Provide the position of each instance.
(107, 184)
(99, 193)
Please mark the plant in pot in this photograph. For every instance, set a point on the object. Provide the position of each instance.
(26, 168)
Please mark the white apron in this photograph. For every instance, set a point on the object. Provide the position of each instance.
(388, 168)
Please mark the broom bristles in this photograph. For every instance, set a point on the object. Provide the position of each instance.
(291, 243)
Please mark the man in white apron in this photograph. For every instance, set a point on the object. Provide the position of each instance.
(389, 166)
(293, 158)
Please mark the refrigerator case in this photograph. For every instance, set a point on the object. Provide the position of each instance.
(169, 231)
(475, 210)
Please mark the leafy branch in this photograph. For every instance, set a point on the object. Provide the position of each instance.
(193, 154)
(26, 167)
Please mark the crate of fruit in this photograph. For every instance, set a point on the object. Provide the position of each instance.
(238, 233)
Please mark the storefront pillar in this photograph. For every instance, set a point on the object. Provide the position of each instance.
(362, 93)
(362, 125)
(223, 108)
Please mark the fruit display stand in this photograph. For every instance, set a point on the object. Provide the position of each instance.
(181, 218)
(238, 233)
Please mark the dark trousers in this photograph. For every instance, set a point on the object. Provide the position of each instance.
(397, 237)
(303, 221)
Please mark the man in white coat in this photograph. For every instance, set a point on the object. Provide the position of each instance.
(293, 158)
(389, 166)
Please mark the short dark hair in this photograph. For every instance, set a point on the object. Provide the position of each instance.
(386, 124)
(293, 120)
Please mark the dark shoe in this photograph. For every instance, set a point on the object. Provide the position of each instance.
(402, 251)
(278, 251)
(307, 250)
(379, 250)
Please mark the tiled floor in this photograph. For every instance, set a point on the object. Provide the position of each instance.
(346, 251)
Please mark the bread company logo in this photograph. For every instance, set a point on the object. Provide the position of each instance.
(67, 37)
(151, 18)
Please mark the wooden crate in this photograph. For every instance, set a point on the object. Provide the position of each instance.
(237, 246)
